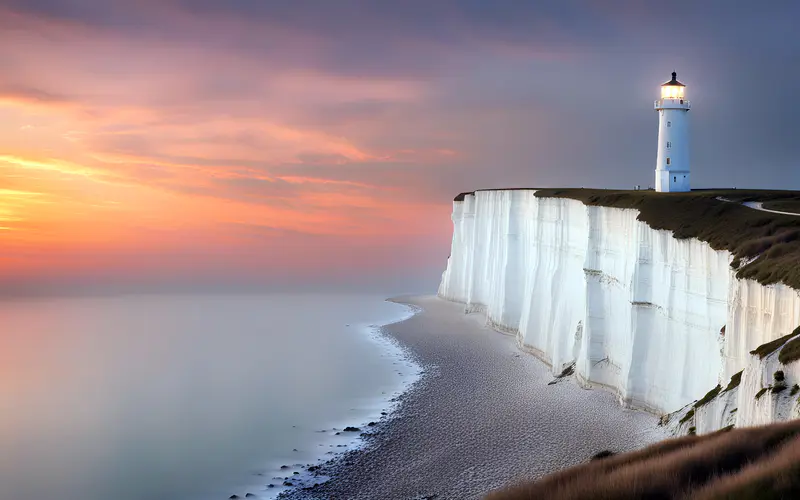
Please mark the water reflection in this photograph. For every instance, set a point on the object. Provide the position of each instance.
(162, 397)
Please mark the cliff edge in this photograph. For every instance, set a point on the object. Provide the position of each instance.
(666, 299)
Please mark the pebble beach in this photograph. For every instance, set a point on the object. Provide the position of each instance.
(483, 415)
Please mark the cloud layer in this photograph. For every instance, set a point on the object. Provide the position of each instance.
(283, 141)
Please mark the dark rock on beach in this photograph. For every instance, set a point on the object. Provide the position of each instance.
(602, 454)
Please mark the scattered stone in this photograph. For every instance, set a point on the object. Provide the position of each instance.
(233, 497)
(603, 454)
(249, 495)
(295, 449)
(296, 473)
(284, 467)
(338, 433)
(287, 483)
(351, 429)
(384, 413)
(270, 485)
(372, 424)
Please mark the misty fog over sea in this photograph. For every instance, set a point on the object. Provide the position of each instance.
(183, 396)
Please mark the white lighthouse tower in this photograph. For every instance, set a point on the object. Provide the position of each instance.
(672, 165)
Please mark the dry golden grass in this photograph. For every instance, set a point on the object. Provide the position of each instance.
(741, 464)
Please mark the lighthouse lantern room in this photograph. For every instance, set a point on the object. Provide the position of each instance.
(672, 164)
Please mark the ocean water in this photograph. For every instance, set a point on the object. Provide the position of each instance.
(186, 396)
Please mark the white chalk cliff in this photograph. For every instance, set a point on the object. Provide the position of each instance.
(658, 320)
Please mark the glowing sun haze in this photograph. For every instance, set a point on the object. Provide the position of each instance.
(245, 142)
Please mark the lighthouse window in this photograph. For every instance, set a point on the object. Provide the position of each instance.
(667, 161)
(669, 124)
(675, 179)
(669, 144)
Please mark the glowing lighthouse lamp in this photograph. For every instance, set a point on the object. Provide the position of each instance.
(672, 165)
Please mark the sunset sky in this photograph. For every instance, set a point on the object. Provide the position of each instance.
(276, 143)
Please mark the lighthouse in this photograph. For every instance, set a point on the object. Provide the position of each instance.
(672, 164)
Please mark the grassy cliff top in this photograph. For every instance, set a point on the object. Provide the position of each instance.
(767, 244)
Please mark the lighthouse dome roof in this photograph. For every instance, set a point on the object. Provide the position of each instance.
(674, 81)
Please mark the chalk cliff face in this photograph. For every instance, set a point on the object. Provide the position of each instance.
(658, 320)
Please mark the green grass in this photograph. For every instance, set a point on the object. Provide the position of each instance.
(795, 390)
(762, 391)
(791, 350)
(709, 396)
(687, 417)
(736, 379)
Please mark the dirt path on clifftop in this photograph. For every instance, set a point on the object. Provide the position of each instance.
(482, 416)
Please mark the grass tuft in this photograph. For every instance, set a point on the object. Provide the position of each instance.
(708, 397)
(687, 417)
(736, 379)
(765, 350)
(762, 391)
(795, 390)
(791, 351)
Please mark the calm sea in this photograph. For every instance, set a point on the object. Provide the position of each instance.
(185, 396)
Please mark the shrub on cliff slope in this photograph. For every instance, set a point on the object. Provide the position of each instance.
(791, 350)
(738, 464)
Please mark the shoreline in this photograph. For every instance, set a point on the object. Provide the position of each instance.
(481, 416)
(373, 411)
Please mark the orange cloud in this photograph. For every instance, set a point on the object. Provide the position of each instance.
(144, 153)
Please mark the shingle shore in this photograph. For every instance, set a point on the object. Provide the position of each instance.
(483, 416)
